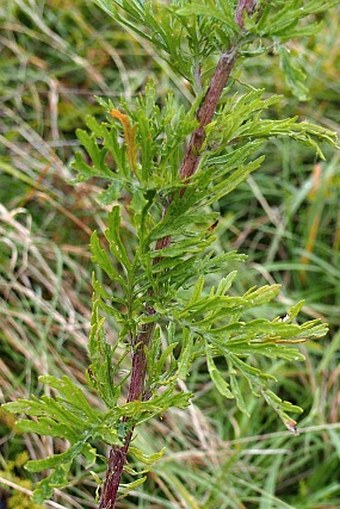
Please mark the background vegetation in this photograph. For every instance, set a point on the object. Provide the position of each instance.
(55, 56)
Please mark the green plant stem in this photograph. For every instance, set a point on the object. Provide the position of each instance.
(205, 113)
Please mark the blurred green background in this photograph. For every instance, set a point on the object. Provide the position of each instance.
(55, 56)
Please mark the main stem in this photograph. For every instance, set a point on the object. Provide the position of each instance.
(205, 113)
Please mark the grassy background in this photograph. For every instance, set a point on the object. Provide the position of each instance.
(55, 56)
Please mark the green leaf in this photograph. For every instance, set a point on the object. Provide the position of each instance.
(97, 155)
(281, 408)
(101, 372)
(73, 395)
(147, 459)
(237, 392)
(112, 234)
(184, 361)
(133, 485)
(212, 11)
(112, 192)
(196, 291)
(220, 383)
(295, 310)
(262, 295)
(225, 283)
(48, 427)
(55, 460)
(45, 488)
(100, 256)
(225, 187)
(21, 405)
